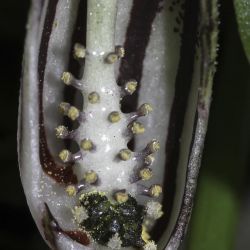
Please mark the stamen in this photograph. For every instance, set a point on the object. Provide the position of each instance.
(153, 146)
(64, 108)
(94, 97)
(148, 160)
(130, 86)
(121, 196)
(120, 51)
(111, 58)
(87, 145)
(114, 117)
(79, 51)
(62, 132)
(145, 174)
(155, 191)
(73, 113)
(69, 79)
(90, 177)
(71, 190)
(125, 154)
(144, 109)
(66, 156)
(137, 128)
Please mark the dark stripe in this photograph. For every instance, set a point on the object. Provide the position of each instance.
(75, 67)
(137, 38)
(182, 90)
(61, 174)
(79, 36)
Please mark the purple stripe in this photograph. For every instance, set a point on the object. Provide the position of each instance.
(61, 174)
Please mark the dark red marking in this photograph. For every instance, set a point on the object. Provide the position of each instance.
(51, 227)
(78, 236)
(61, 174)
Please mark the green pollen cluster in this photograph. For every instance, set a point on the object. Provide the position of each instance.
(106, 219)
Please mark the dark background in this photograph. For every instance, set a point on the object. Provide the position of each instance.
(226, 152)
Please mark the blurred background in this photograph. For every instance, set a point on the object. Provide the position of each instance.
(221, 218)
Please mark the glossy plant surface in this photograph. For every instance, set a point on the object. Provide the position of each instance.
(114, 107)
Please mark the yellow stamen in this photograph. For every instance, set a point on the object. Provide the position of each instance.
(79, 51)
(154, 146)
(114, 117)
(121, 196)
(67, 78)
(120, 51)
(73, 113)
(90, 177)
(86, 144)
(94, 97)
(131, 86)
(65, 155)
(111, 58)
(125, 154)
(145, 109)
(71, 190)
(155, 191)
(149, 159)
(61, 131)
(145, 174)
(64, 107)
(137, 128)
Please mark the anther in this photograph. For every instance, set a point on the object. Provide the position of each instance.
(114, 117)
(111, 58)
(87, 145)
(155, 191)
(93, 97)
(90, 177)
(125, 154)
(144, 109)
(71, 190)
(121, 196)
(73, 113)
(62, 132)
(130, 86)
(79, 51)
(148, 160)
(64, 107)
(69, 79)
(153, 146)
(65, 155)
(145, 174)
(137, 128)
(120, 51)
